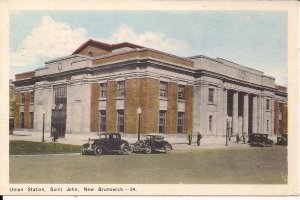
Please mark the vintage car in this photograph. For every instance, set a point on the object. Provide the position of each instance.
(282, 139)
(260, 139)
(107, 142)
(153, 142)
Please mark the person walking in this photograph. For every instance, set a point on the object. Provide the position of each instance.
(190, 137)
(199, 136)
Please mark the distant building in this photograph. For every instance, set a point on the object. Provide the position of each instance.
(100, 87)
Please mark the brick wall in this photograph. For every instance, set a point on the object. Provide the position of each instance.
(17, 111)
(188, 109)
(26, 110)
(132, 102)
(149, 96)
(111, 112)
(285, 118)
(94, 126)
(172, 108)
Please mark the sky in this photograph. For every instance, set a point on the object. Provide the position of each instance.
(256, 39)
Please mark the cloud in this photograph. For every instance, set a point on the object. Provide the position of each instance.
(48, 40)
(155, 40)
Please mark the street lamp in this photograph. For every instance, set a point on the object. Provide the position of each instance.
(139, 112)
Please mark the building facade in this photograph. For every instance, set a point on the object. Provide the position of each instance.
(100, 87)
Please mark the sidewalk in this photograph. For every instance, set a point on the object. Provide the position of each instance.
(177, 141)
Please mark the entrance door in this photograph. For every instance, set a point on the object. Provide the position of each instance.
(59, 111)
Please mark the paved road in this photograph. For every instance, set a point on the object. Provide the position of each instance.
(208, 166)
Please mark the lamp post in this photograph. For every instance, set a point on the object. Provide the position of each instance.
(43, 138)
(139, 112)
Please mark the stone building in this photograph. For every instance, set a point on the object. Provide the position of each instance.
(100, 87)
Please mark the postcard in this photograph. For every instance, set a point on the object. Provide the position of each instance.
(149, 98)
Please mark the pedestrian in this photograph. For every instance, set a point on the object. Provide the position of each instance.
(190, 137)
(199, 136)
(244, 137)
(237, 138)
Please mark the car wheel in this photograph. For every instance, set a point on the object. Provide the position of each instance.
(264, 143)
(167, 149)
(98, 151)
(147, 149)
(125, 149)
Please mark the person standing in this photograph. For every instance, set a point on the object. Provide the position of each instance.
(199, 136)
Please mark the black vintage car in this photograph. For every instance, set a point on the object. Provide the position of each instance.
(153, 142)
(260, 139)
(107, 142)
(282, 139)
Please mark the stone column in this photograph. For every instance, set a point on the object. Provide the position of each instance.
(259, 112)
(219, 116)
(246, 113)
(235, 119)
(225, 111)
(254, 115)
(204, 100)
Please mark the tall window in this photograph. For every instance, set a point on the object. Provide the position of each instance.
(180, 122)
(268, 126)
(162, 121)
(210, 95)
(181, 92)
(210, 119)
(121, 88)
(32, 97)
(268, 104)
(103, 90)
(22, 120)
(22, 98)
(280, 107)
(31, 119)
(102, 124)
(121, 121)
(60, 97)
(163, 89)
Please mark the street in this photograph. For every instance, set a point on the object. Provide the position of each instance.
(241, 165)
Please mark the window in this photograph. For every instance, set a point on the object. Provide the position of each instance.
(180, 122)
(31, 119)
(268, 104)
(22, 98)
(60, 97)
(31, 97)
(268, 126)
(280, 107)
(121, 121)
(162, 121)
(103, 90)
(102, 124)
(121, 88)
(210, 122)
(22, 121)
(210, 95)
(163, 89)
(181, 92)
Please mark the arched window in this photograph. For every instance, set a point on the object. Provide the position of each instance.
(90, 54)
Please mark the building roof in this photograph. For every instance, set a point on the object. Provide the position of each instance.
(106, 46)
